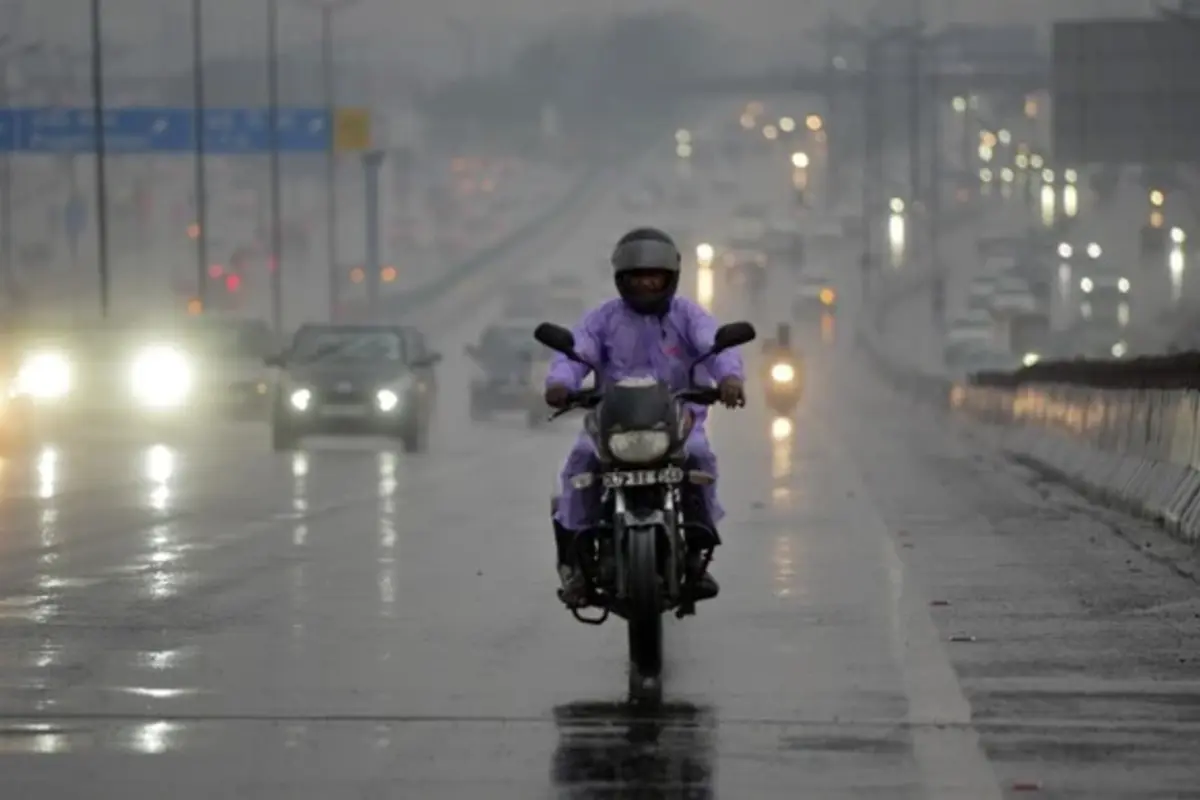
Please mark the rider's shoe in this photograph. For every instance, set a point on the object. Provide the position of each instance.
(573, 592)
(706, 586)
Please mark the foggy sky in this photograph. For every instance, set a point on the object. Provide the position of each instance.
(437, 35)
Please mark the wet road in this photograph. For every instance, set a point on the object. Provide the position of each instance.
(212, 620)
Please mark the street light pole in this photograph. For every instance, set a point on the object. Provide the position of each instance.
(328, 9)
(276, 264)
(198, 133)
(331, 214)
(872, 160)
(6, 199)
(101, 174)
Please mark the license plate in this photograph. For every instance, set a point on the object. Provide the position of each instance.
(343, 412)
(642, 477)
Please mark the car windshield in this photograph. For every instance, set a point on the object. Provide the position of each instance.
(99, 342)
(347, 345)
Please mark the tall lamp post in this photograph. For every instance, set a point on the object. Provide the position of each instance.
(276, 264)
(101, 173)
(328, 9)
(198, 134)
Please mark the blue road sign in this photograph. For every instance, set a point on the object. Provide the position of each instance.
(235, 131)
(126, 130)
(8, 131)
(227, 131)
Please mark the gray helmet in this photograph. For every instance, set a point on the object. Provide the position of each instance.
(646, 250)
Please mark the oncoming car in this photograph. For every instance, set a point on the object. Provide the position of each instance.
(354, 379)
(147, 374)
(512, 368)
(1105, 297)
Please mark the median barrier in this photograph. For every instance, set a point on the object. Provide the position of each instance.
(1131, 448)
(1125, 433)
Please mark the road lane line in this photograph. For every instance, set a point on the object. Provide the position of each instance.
(945, 743)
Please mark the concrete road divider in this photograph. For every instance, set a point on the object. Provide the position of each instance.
(1136, 449)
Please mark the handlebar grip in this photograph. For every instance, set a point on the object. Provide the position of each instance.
(701, 396)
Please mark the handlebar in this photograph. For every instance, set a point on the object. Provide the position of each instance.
(584, 398)
(590, 398)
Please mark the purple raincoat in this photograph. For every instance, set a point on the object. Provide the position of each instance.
(624, 344)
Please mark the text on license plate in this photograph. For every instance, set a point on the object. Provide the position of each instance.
(643, 477)
(343, 412)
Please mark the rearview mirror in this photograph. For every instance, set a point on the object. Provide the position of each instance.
(556, 338)
(733, 335)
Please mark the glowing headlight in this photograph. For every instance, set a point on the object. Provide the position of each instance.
(161, 377)
(1086, 285)
(1030, 359)
(387, 400)
(638, 447)
(781, 429)
(1120, 349)
(300, 399)
(45, 376)
(1123, 286)
(783, 373)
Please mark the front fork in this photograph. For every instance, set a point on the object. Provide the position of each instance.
(596, 555)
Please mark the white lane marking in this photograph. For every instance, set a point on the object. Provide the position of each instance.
(945, 744)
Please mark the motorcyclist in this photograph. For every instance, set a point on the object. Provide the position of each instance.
(647, 330)
(782, 369)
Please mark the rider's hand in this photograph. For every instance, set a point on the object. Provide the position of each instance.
(557, 396)
(733, 394)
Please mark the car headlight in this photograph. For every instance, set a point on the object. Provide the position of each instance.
(44, 376)
(300, 399)
(1123, 286)
(1029, 359)
(638, 447)
(161, 377)
(387, 400)
(1086, 285)
(783, 373)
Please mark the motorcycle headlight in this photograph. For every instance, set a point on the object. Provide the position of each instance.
(161, 377)
(639, 447)
(44, 376)
(387, 400)
(300, 399)
(783, 373)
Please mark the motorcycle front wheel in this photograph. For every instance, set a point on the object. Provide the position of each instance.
(644, 604)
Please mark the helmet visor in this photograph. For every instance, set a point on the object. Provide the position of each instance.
(647, 254)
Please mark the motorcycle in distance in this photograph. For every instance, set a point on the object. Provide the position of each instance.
(784, 374)
(635, 562)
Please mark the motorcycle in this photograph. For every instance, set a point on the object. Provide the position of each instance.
(635, 562)
(785, 384)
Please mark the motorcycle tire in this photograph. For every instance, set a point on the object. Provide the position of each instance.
(644, 604)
